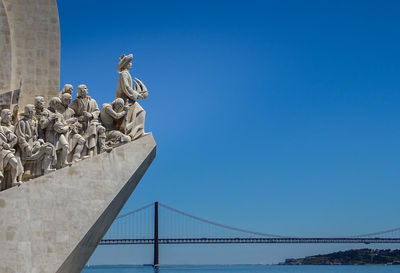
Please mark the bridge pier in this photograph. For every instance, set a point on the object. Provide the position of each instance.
(156, 252)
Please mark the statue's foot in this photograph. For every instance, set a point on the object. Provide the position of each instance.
(139, 135)
(49, 171)
(106, 149)
(13, 184)
(76, 159)
(66, 164)
(79, 158)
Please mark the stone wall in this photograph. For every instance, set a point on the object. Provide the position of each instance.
(30, 48)
(5, 51)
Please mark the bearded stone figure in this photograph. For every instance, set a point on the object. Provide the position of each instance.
(36, 155)
(10, 166)
(130, 91)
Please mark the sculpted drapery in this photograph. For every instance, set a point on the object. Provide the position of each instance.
(133, 123)
(47, 139)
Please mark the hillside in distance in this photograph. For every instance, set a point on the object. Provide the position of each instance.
(363, 256)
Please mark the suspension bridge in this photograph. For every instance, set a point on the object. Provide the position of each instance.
(158, 223)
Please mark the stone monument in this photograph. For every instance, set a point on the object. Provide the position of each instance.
(66, 170)
(29, 48)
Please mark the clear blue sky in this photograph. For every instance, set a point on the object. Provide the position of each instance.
(277, 116)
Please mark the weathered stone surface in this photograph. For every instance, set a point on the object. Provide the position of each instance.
(52, 224)
(30, 48)
(5, 51)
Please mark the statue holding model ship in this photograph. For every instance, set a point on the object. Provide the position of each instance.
(47, 139)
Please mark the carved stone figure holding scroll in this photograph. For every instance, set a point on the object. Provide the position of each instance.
(36, 155)
(110, 114)
(130, 91)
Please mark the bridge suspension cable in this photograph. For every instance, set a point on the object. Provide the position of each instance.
(246, 231)
(378, 233)
(222, 225)
(134, 211)
(146, 226)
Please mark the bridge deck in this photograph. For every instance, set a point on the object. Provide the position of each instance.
(251, 241)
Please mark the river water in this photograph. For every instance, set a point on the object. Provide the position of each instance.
(245, 269)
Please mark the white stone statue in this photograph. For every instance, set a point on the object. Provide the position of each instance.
(68, 88)
(10, 166)
(110, 114)
(56, 131)
(68, 113)
(87, 111)
(130, 91)
(39, 112)
(36, 155)
(75, 140)
(67, 132)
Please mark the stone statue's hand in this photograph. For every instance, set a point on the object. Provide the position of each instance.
(87, 114)
(28, 151)
(41, 141)
(16, 108)
(6, 146)
(81, 119)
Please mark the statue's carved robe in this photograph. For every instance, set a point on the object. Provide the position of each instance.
(133, 123)
(8, 137)
(6, 154)
(109, 118)
(73, 135)
(27, 134)
(79, 105)
(55, 130)
(37, 117)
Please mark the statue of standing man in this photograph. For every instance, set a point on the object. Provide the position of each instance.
(130, 91)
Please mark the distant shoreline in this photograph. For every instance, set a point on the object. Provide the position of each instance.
(225, 265)
(350, 257)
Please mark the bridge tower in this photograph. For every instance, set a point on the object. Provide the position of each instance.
(156, 252)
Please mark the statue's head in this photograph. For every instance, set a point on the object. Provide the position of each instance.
(68, 88)
(125, 62)
(39, 102)
(29, 110)
(118, 104)
(55, 103)
(82, 91)
(66, 99)
(6, 115)
(101, 130)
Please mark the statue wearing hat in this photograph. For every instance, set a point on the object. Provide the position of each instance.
(130, 91)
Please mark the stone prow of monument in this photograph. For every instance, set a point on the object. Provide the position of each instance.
(53, 223)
